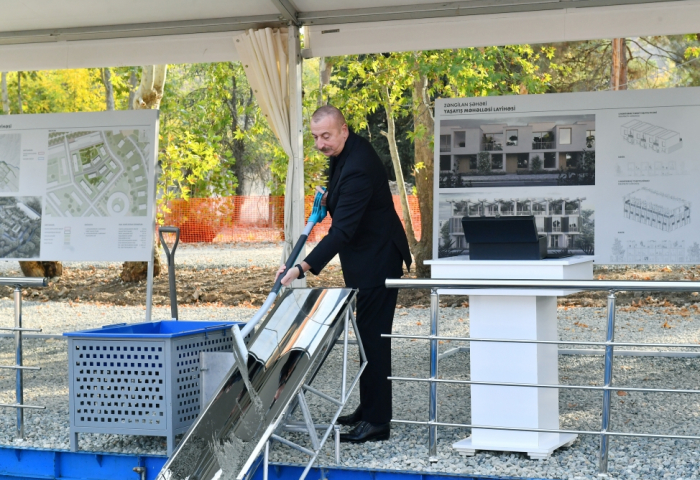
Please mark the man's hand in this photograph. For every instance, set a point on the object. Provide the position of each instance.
(292, 274)
(325, 195)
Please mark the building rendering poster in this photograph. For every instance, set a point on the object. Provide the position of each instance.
(78, 186)
(607, 174)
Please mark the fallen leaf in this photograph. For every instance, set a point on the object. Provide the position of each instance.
(621, 393)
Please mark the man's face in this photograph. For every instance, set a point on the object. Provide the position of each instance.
(329, 136)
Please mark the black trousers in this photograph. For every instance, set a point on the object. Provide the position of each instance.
(375, 316)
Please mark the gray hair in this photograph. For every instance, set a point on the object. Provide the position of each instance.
(326, 111)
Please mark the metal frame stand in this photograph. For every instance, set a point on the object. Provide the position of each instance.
(18, 366)
(607, 388)
(307, 425)
(607, 393)
(434, 357)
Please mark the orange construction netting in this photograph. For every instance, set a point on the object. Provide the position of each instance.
(249, 219)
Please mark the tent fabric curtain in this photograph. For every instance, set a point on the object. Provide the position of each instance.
(265, 58)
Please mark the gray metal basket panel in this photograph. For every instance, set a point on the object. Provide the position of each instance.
(187, 376)
(104, 375)
(118, 384)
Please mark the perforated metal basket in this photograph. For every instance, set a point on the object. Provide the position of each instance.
(139, 379)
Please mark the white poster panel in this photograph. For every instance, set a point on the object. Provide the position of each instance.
(78, 186)
(608, 174)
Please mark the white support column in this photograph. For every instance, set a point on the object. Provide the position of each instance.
(296, 193)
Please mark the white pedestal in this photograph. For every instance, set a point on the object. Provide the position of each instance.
(514, 314)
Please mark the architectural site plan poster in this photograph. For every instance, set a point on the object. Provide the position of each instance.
(77, 186)
(609, 174)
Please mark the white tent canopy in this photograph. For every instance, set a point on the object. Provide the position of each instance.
(52, 34)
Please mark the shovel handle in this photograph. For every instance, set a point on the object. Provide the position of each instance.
(170, 255)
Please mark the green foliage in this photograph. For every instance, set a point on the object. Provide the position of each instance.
(580, 172)
(652, 62)
(364, 85)
(446, 243)
(536, 164)
(55, 91)
(213, 105)
(586, 241)
(185, 161)
(483, 163)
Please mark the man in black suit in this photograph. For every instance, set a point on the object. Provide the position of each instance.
(369, 238)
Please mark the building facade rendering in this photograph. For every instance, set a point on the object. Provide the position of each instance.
(512, 148)
(559, 219)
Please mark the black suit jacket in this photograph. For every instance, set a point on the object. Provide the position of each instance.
(366, 231)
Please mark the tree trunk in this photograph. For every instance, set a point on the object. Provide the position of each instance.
(423, 127)
(324, 78)
(52, 270)
(393, 149)
(109, 88)
(150, 91)
(148, 95)
(618, 74)
(133, 83)
(5, 97)
(19, 92)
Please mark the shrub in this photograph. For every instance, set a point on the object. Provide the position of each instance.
(536, 164)
(483, 163)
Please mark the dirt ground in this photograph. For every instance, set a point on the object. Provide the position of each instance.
(250, 286)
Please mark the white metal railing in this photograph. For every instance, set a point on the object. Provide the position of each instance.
(543, 145)
(19, 368)
(607, 388)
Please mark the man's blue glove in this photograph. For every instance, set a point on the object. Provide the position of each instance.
(318, 213)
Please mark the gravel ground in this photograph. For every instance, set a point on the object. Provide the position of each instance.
(199, 256)
(630, 458)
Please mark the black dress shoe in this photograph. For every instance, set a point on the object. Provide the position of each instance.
(351, 419)
(367, 432)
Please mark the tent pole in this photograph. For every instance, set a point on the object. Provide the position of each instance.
(296, 128)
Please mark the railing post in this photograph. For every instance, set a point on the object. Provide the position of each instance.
(344, 375)
(19, 395)
(432, 413)
(609, 338)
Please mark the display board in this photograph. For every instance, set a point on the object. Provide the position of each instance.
(78, 186)
(608, 174)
